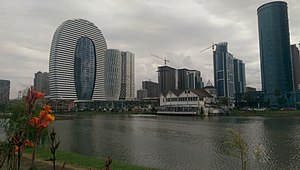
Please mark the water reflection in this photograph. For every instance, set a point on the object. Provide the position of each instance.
(283, 147)
(168, 142)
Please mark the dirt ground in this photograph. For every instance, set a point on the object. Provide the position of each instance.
(42, 164)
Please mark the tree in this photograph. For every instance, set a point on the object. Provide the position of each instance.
(235, 146)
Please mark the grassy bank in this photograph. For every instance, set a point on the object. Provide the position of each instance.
(267, 113)
(85, 162)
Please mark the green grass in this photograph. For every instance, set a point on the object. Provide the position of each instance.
(267, 113)
(85, 161)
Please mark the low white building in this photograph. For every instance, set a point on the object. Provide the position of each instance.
(191, 101)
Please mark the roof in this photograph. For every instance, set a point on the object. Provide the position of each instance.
(199, 92)
(209, 84)
(177, 92)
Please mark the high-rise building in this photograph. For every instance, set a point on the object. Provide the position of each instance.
(151, 87)
(76, 65)
(239, 76)
(182, 78)
(4, 91)
(296, 66)
(112, 74)
(127, 76)
(195, 80)
(142, 94)
(166, 78)
(189, 79)
(223, 71)
(41, 82)
(274, 43)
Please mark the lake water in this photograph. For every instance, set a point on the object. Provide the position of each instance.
(174, 142)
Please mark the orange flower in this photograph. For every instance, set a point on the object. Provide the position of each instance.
(16, 148)
(28, 143)
(50, 117)
(34, 121)
(44, 119)
(47, 108)
(43, 113)
(42, 126)
(32, 96)
(39, 95)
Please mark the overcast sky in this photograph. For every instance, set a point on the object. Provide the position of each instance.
(178, 30)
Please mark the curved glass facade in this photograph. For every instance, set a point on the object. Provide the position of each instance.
(85, 68)
(274, 42)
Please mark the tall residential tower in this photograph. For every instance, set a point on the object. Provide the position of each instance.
(151, 87)
(41, 82)
(166, 78)
(112, 74)
(127, 76)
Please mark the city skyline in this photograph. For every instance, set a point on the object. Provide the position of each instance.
(176, 30)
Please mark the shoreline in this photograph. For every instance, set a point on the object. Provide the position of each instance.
(267, 113)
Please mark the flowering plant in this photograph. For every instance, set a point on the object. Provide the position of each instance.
(17, 129)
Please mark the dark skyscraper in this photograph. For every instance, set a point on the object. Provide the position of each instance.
(223, 71)
(166, 78)
(296, 66)
(151, 87)
(4, 90)
(274, 42)
(182, 75)
(189, 79)
(239, 76)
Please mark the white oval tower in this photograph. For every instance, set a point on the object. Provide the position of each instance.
(76, 65)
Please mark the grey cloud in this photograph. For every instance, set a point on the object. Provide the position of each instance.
(175, 29)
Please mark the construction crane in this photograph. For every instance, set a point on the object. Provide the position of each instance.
(210, 47)
(165, 59)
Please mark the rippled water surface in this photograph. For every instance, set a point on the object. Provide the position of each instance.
(168, 142)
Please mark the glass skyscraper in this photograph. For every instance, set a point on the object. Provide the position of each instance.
(223, 71)
(239, 76)
(274, 43)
